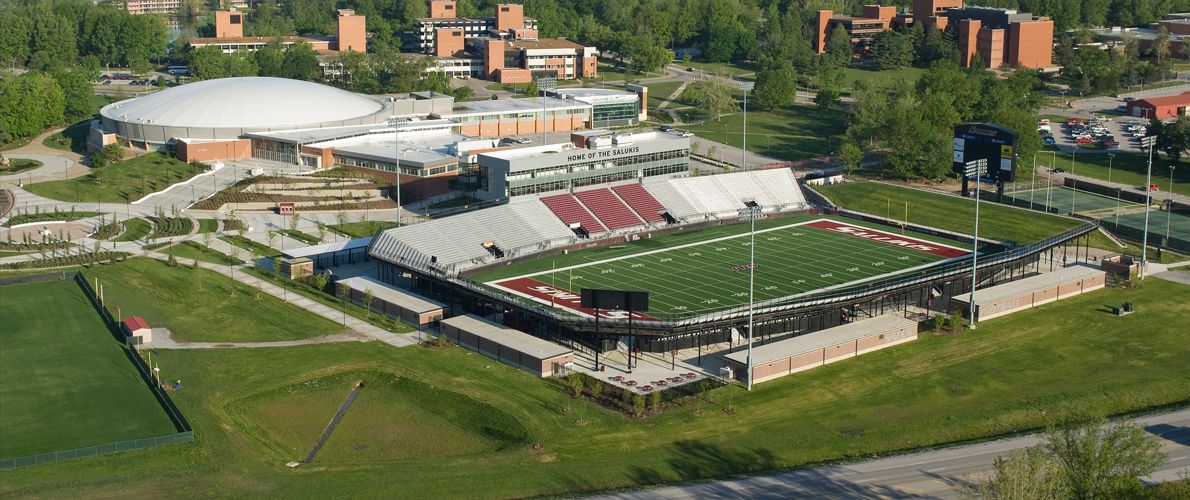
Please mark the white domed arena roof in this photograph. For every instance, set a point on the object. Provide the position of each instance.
(252, 102)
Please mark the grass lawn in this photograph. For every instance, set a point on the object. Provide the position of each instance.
(208, 225)
(361, 229)
(135, 229)
(746, 70)
(18, 165)
(1061, 358)
(127, 180)
(660, 91)
(877, 78)
(794, 133)
(72, 138)
(997, 222)
(393, 418)
(169, 297)
(251, 246)
(694, 273)
(294, 234)
(195, 250)
(1128, 168)
(67, 381)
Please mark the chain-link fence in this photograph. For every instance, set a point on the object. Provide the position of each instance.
(99, 449)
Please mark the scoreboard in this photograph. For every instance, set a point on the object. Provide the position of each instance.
(985, 141)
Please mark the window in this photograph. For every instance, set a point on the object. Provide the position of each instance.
(235, 19)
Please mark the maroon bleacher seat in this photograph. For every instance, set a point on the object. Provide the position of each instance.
(641, 201)
(567, 208)
(612, 212)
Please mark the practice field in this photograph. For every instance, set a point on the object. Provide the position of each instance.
(712, 272)
(67, 383)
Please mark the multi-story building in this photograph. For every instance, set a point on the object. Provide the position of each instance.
(152, 6)
(1003, 37)
(350, 35)
(933, 11)
(872, 20)
(509, 17)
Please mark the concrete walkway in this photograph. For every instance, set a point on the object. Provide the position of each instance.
(167, 342)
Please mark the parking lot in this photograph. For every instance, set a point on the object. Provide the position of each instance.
(1096, 133)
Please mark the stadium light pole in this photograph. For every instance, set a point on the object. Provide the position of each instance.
(397, 144)
(1033, 181)
(1148, 141)
(1073, 181)
(975, 169)
(751, 211)
(1168, 204)
(745, 86)
(1110, 158)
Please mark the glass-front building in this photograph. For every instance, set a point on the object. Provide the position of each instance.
(556, 167)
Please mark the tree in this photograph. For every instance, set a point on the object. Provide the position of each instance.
(14, 38)
(892, 50)
(1099, 460)
(827, 97)
(76, 94)
(838, 48)
(1172, 138)
(644, 55)
(270, 59)
(301, 63)
(850, 156)
(1028, 474)
(776, 86)
(368, 296)
(320, 280)
(29, 103)
(576, 385)
(107, 155)
(715, 96)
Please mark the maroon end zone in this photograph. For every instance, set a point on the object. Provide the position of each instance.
(560, 297)
(890, 238)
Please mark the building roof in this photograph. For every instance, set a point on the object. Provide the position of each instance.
(507, 337)
(395, 296)
(595, 96)
(511, 106)
(134, 323)
(1032, 284)
(1182, 99)
(248, 103)
(338, 246)
(253, 40)
(811, 342)
(546, 43)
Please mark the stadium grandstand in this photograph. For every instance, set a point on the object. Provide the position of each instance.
(533, 224)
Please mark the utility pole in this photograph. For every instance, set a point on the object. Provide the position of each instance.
(397, 144)
(752, 211)
(976, 169)
(1168, 204)
(746, 86)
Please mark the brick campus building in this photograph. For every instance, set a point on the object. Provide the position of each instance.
(1000, 37)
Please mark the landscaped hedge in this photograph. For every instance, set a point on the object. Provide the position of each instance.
(71, 260)
(48, 216)
(170, 226)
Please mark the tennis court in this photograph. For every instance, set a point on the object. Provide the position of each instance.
(1062, 199)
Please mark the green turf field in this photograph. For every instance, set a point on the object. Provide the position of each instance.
(123, 182)
(67, 382)
(709, 271)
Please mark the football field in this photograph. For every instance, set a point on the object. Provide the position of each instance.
(712, 272)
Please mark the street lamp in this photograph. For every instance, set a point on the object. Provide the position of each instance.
(751, 211)
(1073, 181)
(1032, 182)
(746, 86)
(1117, 225)
(1149, 142)
(976, 169)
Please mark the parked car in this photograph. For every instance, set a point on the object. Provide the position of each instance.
(1048, 141)
(523, 140)
(1153, 187)
(1111, 144)
(1083, 140)
(667, 128)
(1058, 170)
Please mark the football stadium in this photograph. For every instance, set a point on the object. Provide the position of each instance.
(688, 242)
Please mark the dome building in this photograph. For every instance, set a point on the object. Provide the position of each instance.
(209, 119)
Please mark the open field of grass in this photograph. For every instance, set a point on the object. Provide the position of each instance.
(135, 229)
(169, 296)
(393, 418)
(127, 180)
(1128, 168)
(361, 229)
(745, 70)
(298, 237)
(693, 273)
(660, 91)
(1061, 358)
(798, 132)
(877, 78)
(67, 381)
(195, 250)
(952, 213)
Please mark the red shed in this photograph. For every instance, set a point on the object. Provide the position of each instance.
(137, 330)
(1160, 108)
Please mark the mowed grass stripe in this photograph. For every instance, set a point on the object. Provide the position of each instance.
(67, 383)
(789, 261)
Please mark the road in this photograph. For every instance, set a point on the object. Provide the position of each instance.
(933, 474)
